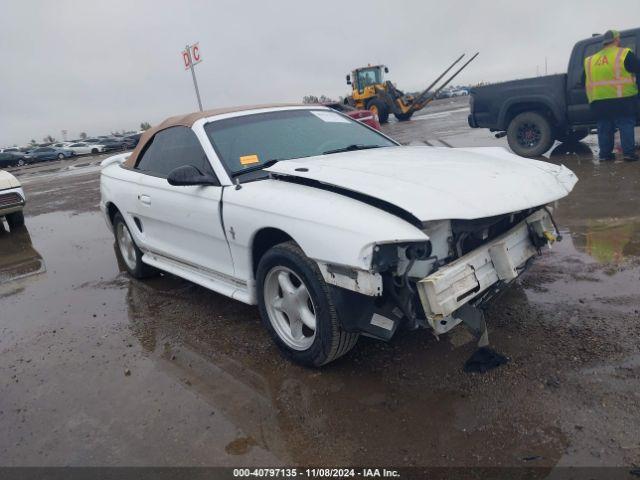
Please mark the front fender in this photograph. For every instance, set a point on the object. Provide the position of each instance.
(329, 227)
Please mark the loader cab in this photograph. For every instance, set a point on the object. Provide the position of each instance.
(369, 76)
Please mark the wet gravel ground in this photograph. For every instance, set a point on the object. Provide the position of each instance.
(100, 369)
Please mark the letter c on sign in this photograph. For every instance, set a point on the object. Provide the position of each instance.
(196, 53)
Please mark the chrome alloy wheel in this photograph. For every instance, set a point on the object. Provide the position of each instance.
(126, 246)
(290, 308)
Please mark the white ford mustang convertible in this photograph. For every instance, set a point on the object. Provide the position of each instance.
(331, 228)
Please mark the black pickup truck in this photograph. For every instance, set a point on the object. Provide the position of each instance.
(534, 112)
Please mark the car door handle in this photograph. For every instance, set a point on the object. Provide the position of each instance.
(146, 199)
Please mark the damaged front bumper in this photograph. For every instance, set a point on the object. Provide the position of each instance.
(502, 259)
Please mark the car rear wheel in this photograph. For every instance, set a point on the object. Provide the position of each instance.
(15, 219)
(94, 150)
(20, 162)
(378, 107)
(530, 134)
(61, 156)
(128, 251)
(297, 308)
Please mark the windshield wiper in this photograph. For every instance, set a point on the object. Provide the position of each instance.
(351, 148)
(266, 164)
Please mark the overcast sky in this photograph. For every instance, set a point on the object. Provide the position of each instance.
(98, 66)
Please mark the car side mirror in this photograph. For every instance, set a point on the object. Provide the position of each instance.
(189, 175)
(348, 79)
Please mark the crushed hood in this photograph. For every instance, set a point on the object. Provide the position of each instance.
(439, 183)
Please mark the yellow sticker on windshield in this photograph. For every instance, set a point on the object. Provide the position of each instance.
(249, 159)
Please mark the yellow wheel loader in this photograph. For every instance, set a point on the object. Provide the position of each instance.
(370, 91)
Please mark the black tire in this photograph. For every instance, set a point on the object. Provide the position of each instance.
(331, 341)
(140, 269)
(61, 156)
(21, 163)
(530, 134)
(572, 137)
(94, 150)
(15, 219)
(403, 117)
(378, 107)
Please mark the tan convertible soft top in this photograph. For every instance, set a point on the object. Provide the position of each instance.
(188, 120)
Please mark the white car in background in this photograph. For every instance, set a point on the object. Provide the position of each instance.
(11, 150)
(12, 199)
(330, 227)
(82, 148)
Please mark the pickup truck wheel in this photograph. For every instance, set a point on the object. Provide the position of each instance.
(403, 117)
(128, 251)
(15, 219)
(297, 308)
(378, 107)
(529, 134)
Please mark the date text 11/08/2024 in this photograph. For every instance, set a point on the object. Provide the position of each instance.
(316, 472)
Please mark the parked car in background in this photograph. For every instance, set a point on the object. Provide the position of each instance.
(460, 93)
(49, 153)
(112, 144)
(10, 149)
(60, 145)
(333, 232)
(365, 116)
(82, 148)
(92, 140)
(12, 159)
(12, 199)
(131, 141)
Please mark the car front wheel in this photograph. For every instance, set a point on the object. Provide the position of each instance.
(297, 308)
(61, 156)
(128, 251)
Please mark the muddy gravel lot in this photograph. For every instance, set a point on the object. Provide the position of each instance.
(99, 369)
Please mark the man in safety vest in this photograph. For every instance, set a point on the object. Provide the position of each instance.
(612, 92)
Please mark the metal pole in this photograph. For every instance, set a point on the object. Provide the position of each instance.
(193, 74)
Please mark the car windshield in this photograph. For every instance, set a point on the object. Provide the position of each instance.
(250, 141)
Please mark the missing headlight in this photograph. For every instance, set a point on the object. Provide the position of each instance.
(387, 256)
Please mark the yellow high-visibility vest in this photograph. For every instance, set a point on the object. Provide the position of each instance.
(606, 76)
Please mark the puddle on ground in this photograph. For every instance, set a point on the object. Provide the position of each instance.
(164, 372)
(108, 362)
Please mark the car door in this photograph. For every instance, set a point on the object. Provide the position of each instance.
(178, 222)
(42, 153)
